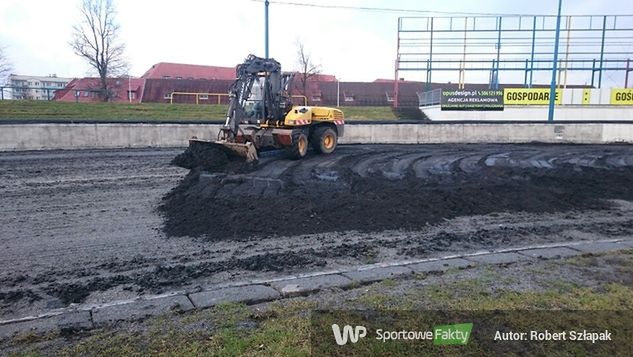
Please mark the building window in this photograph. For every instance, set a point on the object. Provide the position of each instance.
(389, 96)
(178, 77)
(167, 96)
(204, 96)
(316, 98)
(349, 97)
(166, 77)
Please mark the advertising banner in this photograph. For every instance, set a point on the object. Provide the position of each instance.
(622, 96)
(472, 100)
(529, 96)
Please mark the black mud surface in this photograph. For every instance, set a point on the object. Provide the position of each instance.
(387, 188)
(83, 226)
(210, 158)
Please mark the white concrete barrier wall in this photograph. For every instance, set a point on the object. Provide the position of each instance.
(487, 133)
(534, 113)
(98, 135)
(89, 136)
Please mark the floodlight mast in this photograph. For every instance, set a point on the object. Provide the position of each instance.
(552, 88)
(266, 3)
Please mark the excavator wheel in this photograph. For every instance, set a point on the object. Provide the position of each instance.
(299, 147)
(324, 140)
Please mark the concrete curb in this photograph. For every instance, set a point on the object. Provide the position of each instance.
(85, 317)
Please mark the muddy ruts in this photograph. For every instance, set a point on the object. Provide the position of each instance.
(377, 188)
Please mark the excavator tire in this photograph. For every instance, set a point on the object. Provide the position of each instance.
(299, 147)
(324, 140)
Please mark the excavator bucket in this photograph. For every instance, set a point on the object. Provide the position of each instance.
(245, 151)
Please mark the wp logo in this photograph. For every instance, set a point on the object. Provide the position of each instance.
(353, 334)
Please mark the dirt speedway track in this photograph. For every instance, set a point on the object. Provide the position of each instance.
(85, 227)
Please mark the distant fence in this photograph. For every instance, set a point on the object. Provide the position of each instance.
(27, 93)
(321, 93)
(216, 98)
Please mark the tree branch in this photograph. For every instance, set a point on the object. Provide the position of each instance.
(307, 68)
(5, 65)
(95, 38)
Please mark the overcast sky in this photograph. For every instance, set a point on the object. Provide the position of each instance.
(351, 44)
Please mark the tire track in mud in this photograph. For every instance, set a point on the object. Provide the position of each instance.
(406, 202)
(396, 187)
(151, 275)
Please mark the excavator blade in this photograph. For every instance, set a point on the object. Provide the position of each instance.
(246, 151)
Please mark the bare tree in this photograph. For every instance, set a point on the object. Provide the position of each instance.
(95, 39)
(5, 65)
(307, 68)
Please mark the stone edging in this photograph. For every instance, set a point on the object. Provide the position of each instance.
(90, 316)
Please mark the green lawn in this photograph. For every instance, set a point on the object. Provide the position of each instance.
(368, 113)
(10, 110)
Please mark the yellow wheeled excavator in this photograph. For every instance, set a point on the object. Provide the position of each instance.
(261, 116)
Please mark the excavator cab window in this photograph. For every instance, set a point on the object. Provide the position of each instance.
(254, 109)
(254, 105)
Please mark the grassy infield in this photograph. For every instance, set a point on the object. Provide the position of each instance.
(10, 109)
(283, 328)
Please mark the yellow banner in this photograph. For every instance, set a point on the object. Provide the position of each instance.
(622, 96)
(527, 96)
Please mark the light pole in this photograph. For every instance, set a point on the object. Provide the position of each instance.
(266, 3)
(552, 88)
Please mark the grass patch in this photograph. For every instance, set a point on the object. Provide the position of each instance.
(18, 109)
(47, 110)
(283, 329)
(368, 113)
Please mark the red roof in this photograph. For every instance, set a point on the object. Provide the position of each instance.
(87, 89)
(322, 78)
(188, 71)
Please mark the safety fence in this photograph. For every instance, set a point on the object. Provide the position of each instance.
(215, 98)
(27, 93)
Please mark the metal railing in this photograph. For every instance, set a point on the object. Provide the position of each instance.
(432, 97)
(205, 96)
(25, 93)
